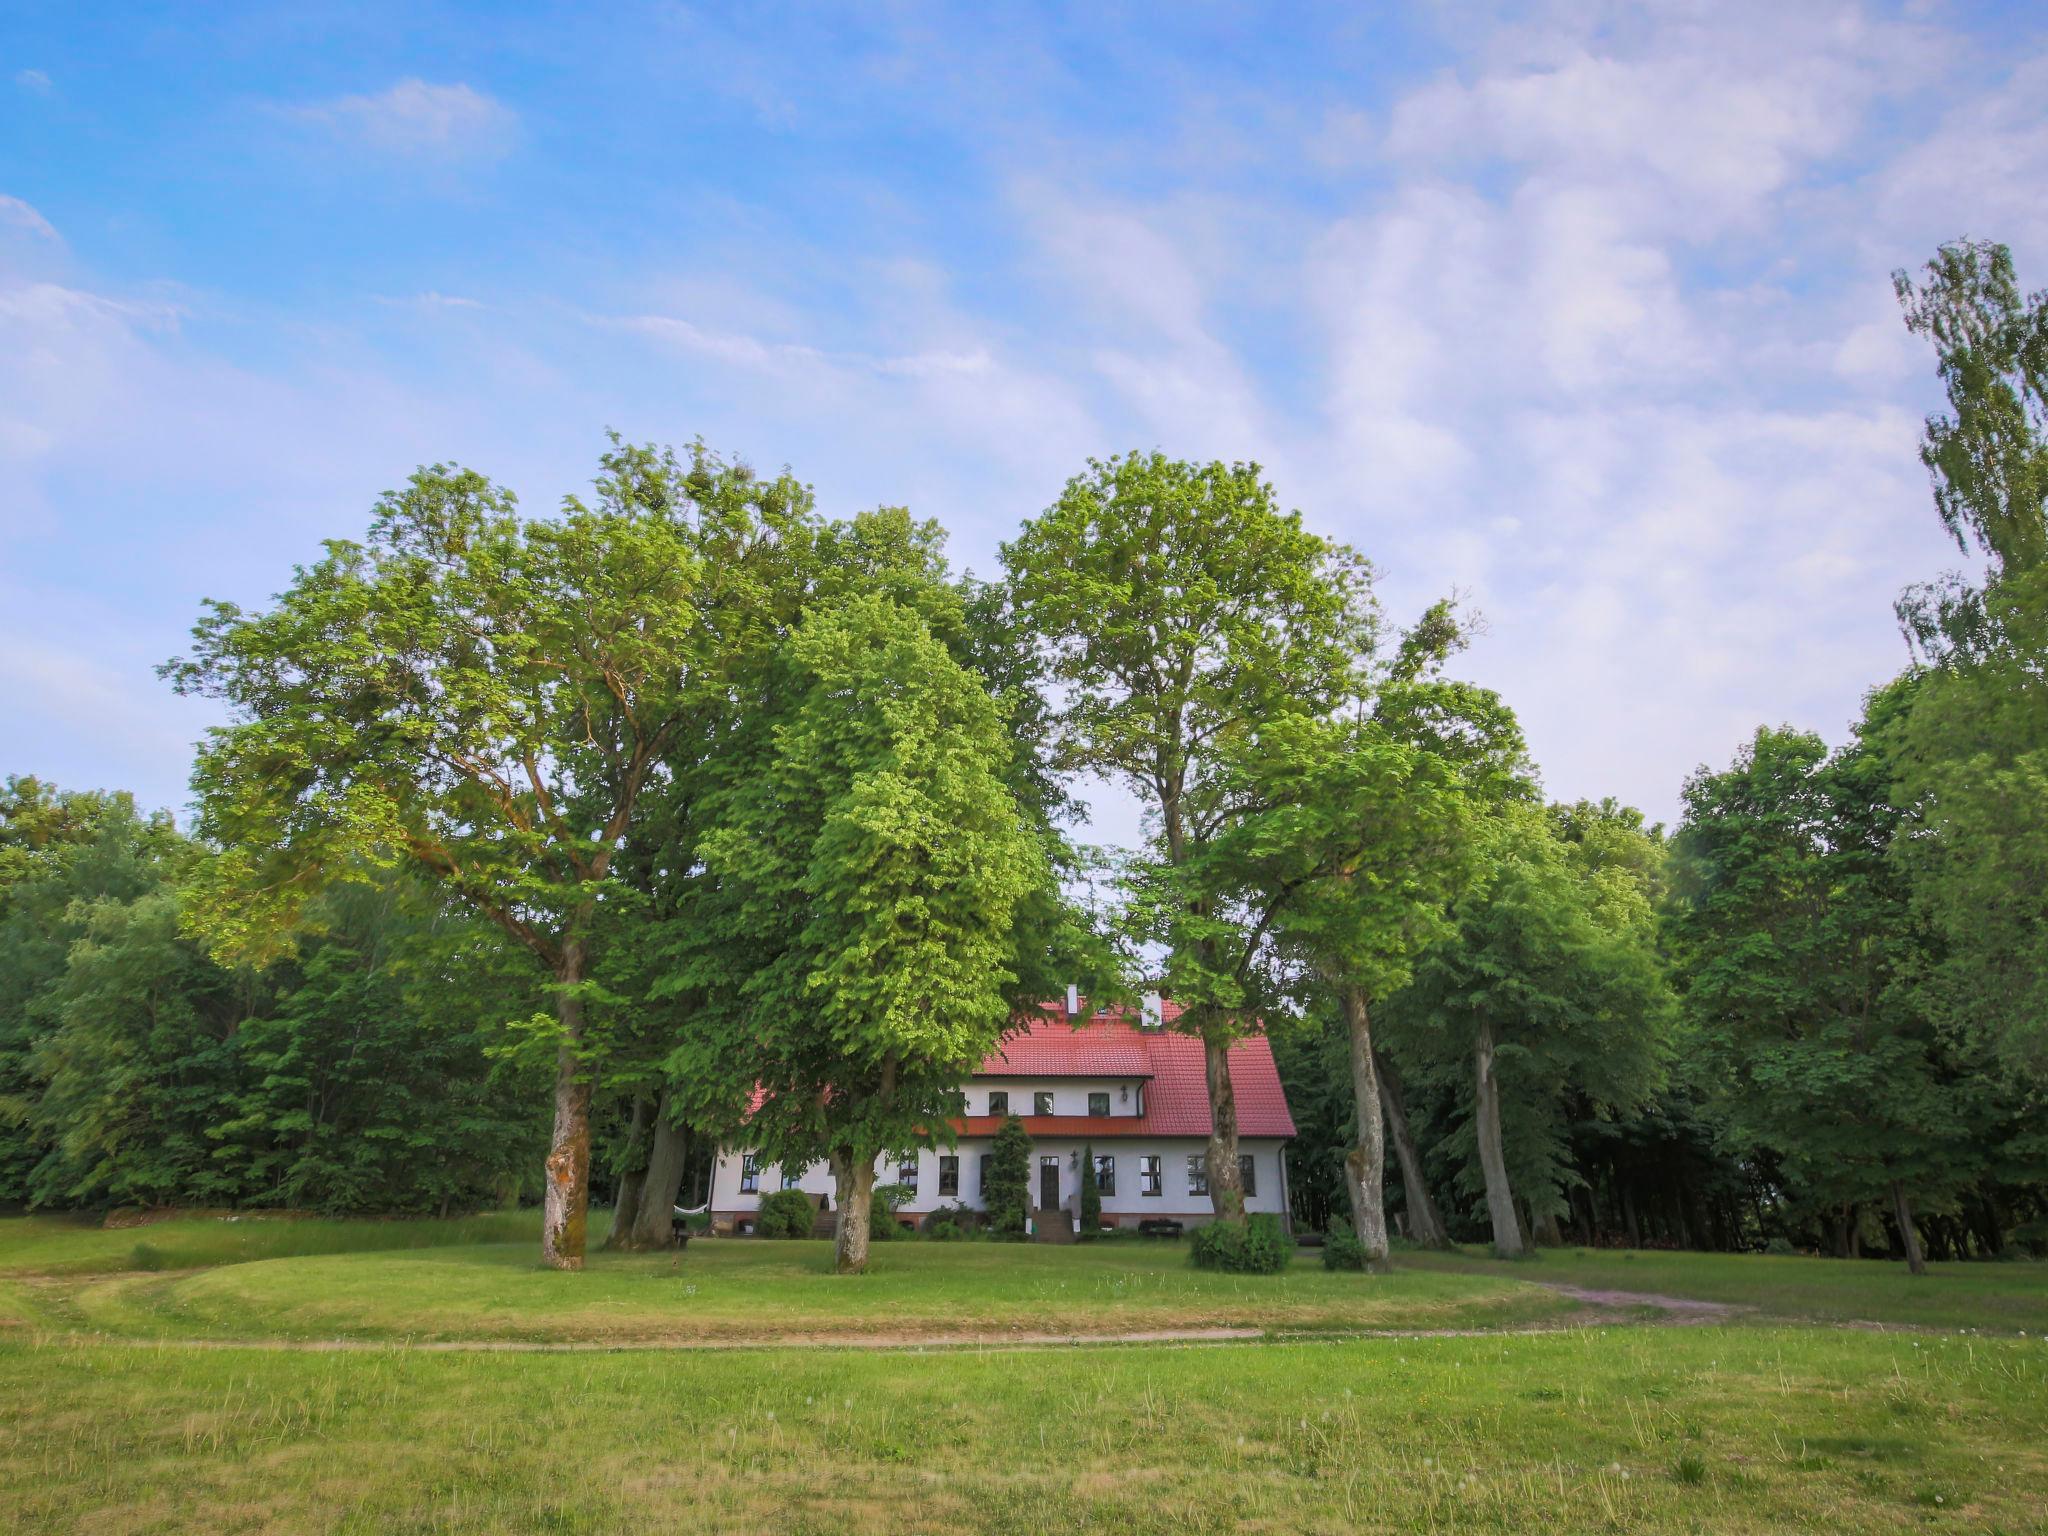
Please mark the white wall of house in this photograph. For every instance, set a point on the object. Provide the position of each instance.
(1128, 1201)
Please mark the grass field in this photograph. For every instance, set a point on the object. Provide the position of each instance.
(1742, 1427)
(2007, 1297)
(738, 1291)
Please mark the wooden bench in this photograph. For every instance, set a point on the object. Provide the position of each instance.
(1159, 1226)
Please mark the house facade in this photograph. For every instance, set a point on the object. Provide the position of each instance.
(1121, 1084)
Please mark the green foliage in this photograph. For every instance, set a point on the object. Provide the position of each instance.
(1260, 1247)
(866, 876)
(786, 1213)
(1555, 956)
(350, 1077)
(883, 1202)
(1972, 753)
(1182, 608)
(1804, 970)
(1343, 1250)
(1007, 1195)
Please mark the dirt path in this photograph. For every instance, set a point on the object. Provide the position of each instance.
(1597, 1308)
(1681, 1309)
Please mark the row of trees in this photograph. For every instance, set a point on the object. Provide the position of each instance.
(769, 810)
(1814, 1012)
(360, 1074)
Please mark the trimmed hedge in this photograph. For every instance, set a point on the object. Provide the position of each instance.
(1261, 1247)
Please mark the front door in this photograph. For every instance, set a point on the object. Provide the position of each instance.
(1048, 1183)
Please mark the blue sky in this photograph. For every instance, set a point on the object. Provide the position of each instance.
(1583, 311)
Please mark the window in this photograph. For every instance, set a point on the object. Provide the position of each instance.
(1148, 1176)
(906, 1173)
(949, 1175)
(1248, 1174)
(1198, 1174)
(986, 1159)
(750, 1173)
(1105, 1175)
(1098, 1103)
(1042, 1102)
(791, 1180)
(999, 1101)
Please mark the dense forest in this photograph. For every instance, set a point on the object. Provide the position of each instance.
(539, 853)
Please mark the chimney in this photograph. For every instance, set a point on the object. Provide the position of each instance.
(1073, 1000)
(1155, 1011)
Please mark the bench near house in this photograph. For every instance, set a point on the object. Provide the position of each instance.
(1120, 1081)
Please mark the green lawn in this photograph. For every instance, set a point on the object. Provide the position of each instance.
(2008, 1297)
(1632, 1429)
(74, 1245)
(112, 1421)
(728, 1290)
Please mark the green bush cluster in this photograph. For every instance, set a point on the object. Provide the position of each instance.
(1342, 1249)
(786, 1213)
(1261, 1247)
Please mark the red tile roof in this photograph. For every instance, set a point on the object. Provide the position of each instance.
(1110, 1044)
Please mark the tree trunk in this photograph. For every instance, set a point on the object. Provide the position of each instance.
(1226, 1185)
(1500, 1199)
(1902, 1211)
(1425, 1222)
(626, 1209)
(853, 1178)
(565, 1208)
(1366, 1164)
(1547, 1230)
(655, 1226)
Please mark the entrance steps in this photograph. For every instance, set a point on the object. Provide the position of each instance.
(1053, 1226)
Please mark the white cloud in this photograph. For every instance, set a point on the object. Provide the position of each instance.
(16, 214)
(418, 118)
(34, 80)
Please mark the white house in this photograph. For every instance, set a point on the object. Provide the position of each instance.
(1121, 1083)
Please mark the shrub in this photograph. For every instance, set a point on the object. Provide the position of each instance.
(1008, 1195)
(1780, 1246)
(786, 1213)
(2033, 1236)
(1342, 1249)
(1259, 1248)
(882, 1205)
(949, 1223)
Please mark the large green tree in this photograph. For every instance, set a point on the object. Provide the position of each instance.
(1362, 838)
(871, 871)
(484, 696)
(1179, 610)
(1801, 957)
(1548, 1000)
(1972, 754)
